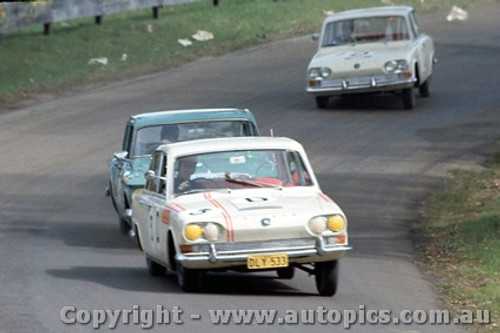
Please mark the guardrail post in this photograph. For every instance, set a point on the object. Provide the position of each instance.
(47, 28)
(156, 12)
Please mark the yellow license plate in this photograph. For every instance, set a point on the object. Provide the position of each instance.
(260, 261)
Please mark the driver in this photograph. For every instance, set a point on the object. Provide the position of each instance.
(169, 133)
(184, 168)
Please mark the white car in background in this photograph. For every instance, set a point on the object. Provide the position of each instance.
(371, 50)
(247, 204)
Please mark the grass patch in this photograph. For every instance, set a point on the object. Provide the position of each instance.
(32, 64)
(462, 246)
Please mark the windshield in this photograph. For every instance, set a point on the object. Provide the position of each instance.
(240, 169)
(365, 30)
(147, 139)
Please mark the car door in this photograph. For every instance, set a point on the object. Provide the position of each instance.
(118, 168)
(149, 206)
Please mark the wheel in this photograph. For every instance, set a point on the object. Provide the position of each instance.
(425, 88)
(190, 280)
(409, 99)
(154, 268)
(327, 275)
(322, 102)
(286, 273)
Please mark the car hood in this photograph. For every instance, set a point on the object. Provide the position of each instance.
(371, 55)
(261, 214)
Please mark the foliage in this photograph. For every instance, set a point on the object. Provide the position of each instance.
(134, 43)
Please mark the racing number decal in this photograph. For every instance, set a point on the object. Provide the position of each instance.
(154, 224)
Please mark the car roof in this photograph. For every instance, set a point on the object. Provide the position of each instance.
(229, 144)
(181, 116)
(371, 11)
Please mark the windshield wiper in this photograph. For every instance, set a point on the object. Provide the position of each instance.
(245, 178)
(199, 190)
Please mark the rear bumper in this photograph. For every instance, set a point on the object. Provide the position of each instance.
(319, 87)
(307, 251)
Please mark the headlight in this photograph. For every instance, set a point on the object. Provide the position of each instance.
(320, 72)
(335, 223)
(209, 231)
(317, 224)
(396, 66)
(193, 231)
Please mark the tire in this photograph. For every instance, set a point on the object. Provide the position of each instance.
(409, 99)
(155, 269)
(327, 275)
(425, 88)
(286, 273)
(190, 280)
(322, 102)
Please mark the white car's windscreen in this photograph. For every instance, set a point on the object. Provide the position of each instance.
(365, 30)
(241, 169)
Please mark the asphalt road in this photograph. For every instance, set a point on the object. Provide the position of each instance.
(59, 239)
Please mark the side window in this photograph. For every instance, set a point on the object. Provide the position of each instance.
(414, 24)
(157, 162)
(127, 138)
(298, 172)
(250, 129)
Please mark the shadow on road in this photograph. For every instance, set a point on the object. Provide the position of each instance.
(138, 279)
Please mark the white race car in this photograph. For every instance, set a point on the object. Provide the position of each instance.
(246, 204)
(371, 50)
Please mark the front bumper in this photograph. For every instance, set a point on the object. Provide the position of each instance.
(213, 256)
(321, 87)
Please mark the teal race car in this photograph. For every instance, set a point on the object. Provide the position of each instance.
(146, 131)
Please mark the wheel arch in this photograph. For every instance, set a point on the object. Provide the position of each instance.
(417, 73)
(138, 237)
(171, 250)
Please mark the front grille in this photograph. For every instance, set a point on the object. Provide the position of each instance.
(266, 245)
(367, 81)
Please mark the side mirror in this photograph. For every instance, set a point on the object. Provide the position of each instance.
(121, 155)
(150, 175)
(315, 37)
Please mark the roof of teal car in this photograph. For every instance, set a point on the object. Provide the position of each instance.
(180, 116)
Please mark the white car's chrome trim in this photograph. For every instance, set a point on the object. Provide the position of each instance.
(372, 83)
(297, 248)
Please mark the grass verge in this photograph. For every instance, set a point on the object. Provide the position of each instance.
(462, 246)
(32, 64)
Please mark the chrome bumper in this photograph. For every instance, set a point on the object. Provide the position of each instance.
(320, 87)
(316, 251)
